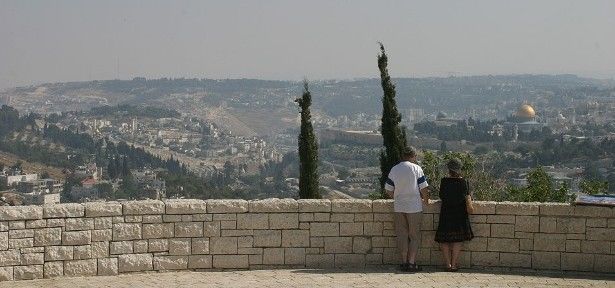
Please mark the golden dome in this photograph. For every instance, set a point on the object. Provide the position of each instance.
(526, 111)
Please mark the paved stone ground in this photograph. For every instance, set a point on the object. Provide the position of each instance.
(327, 278)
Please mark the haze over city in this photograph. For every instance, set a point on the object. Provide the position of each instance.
(57, 41)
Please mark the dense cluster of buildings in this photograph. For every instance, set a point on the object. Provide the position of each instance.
(206, 144)
(149, 184)
(21, 188)
(568, 123)
(93, 187)
(29, 188)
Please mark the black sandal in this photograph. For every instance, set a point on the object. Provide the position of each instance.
(412, 267)
(404, 266)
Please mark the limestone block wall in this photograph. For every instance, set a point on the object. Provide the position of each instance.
(108, 238)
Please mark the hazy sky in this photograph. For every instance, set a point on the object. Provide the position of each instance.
(48, 41)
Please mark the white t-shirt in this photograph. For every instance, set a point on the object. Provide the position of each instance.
(406, 179)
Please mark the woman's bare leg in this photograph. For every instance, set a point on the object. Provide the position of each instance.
(456, 247)
(446, 253)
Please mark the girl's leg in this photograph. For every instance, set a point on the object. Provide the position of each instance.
(446, 253)
(456, 247)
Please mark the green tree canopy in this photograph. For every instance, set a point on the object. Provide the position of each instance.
(594, 187)
(540, 188)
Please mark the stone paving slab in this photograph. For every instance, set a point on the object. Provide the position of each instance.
(385, 277)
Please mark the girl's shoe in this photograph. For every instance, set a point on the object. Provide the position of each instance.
(403, 267)
(412, 267)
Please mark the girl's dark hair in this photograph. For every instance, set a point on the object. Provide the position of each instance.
(454, 173)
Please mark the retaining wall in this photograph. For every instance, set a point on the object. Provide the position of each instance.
(107, 238)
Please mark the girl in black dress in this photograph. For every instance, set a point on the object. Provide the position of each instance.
(454, 225)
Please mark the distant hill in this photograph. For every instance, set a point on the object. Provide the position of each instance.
(133, 111)
(250, 106)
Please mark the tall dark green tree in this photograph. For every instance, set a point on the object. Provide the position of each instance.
(111, 172)
(125, 167)
(393, 134)
(66, 196)
(308, 149)
(128, 187)
(118, 165)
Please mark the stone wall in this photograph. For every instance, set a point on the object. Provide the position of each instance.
(108, 238)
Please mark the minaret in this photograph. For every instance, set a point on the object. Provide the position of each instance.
(134, 125)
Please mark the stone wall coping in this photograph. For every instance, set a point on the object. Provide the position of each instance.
(314, 205)
(31, 212)
(227, 206)
(101, 209)
(64, 210)
(184, 206)
(145, 207)
(351, 205)
(274, 205)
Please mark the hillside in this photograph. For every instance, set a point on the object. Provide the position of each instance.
(248, 107)
(31, 167)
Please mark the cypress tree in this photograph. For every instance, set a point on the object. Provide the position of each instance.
(125, 167)
(111, 170)
(393, 134)
(128, 187)
(118, 165)
(308, 149)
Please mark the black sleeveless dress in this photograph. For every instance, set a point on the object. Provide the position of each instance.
(454, 224)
